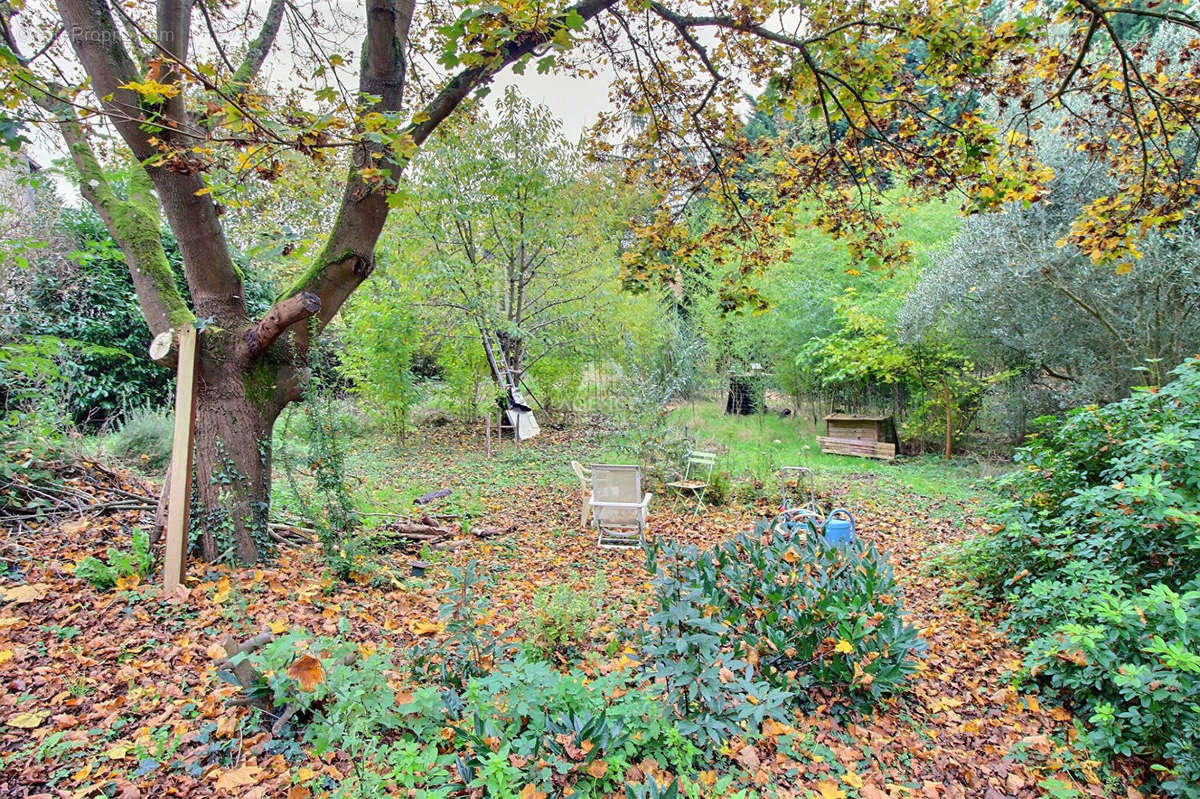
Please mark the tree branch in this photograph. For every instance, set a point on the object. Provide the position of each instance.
(282, 315)
(256, 53)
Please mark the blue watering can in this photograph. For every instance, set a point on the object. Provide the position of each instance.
(838, 530)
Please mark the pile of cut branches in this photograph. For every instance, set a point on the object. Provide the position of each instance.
(38, 491)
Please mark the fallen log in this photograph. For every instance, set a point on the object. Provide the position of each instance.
(425, 499)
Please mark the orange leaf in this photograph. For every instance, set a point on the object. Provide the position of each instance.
(308, 671)
(530, 792)
(830, 791)
(238, 778)
(598, 768)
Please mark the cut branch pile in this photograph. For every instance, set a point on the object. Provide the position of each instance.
(409, 533)
(52, 491)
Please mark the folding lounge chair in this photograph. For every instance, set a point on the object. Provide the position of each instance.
(618, 506)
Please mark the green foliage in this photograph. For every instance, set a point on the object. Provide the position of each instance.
(1099, 550)
(380, 346)
(761, 623)
(32, 425)
(145, 438)
(88, 296)
(1130, 659)
(655, 377)
(104, 574)
(1074, 334)
(348, 702)
(1117, 486)
(329, 507)
(472, 644)
(525, 723)
(560, 618)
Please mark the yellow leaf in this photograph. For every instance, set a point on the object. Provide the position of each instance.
(1124, 268)
(118, 751)
(11, 621)
(223, 589)
(19, 595)
(308, 671)
(5, 655)
(304, 774)
(152, 90)
(28, 720)
(852, 779)
(844, 647)
(425, 628)
(128, 582)
(830, 791)
(279, 626)
(238, 778)
(82, 774)
(530, 792)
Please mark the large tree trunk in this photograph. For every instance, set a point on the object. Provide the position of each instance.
(235, 414)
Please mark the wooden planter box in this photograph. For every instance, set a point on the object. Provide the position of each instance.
(863, 436)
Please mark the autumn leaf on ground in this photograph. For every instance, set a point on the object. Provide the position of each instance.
(308, 671)
(844, 646)
(224, 587)
(530, 792)
(598, 768)
(129, 581)
(20, 594)
(425, 628)
(28, 720)
(830, 791)
(238, 778)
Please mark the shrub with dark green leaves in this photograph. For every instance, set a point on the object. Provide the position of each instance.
(1117, 486)
(767, 621)
(523, 723)
(1132, 661)
(1098, 551)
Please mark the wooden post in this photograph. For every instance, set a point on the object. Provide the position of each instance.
(487, 421)
(179, 503)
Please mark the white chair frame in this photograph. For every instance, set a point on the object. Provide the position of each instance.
(614, 529)
(585, 486)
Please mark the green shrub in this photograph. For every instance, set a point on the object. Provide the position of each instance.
(524, 723)
(145, 438)
(560, 617)
(339, 690)
(1132, 661)
(120, 564)
(765, 622)
(1098, 551)
(1117, 486)
(472, 643)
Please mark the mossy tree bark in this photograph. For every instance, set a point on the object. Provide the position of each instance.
(235, 414)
